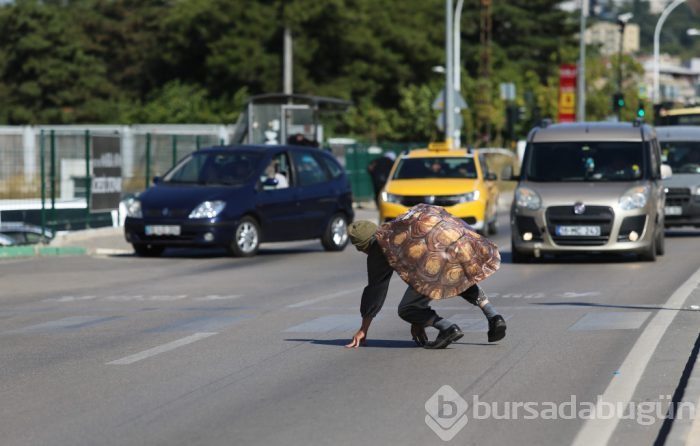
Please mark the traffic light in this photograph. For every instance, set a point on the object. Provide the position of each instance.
(640, 110)
(618, 100)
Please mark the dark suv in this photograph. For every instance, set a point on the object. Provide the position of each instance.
(239, 196)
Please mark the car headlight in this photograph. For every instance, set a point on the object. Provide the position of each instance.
(208, 209)
(635, 198)
(390, 198)
(527, 198)
(465, 198)
(133, 209)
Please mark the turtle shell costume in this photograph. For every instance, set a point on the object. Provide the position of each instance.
(436, 253)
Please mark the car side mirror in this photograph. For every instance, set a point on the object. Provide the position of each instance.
(666, 171)
(270, 184)
(156, 180)
(491, 176)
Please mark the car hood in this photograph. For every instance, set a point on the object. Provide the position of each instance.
(603, 194)
(185, 197)
(433, 186)
(683, 180)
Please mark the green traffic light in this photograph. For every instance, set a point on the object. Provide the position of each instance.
(641, 113)
(620, 102)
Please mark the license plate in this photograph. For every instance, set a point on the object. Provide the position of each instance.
(162, 230)
(673, 210)
(584, 231)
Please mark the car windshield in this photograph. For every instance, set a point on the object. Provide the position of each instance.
(215, 168)
(438, 167)
(682, 156)
(585, 161)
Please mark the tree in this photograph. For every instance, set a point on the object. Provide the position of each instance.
(47, 75)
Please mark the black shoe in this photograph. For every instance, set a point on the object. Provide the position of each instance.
(446, 337)
(497, 328)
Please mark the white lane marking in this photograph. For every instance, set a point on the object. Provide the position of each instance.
(160, 349)
(572, 294)
(304, 303)
(217, 297)
(142, 298)
(598, 431)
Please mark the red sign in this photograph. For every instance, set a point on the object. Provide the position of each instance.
(567, 93)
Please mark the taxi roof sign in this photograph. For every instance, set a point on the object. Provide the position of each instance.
(439, 146)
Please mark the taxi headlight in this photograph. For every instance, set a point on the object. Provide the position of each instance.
(208, 209)
(133, 209)
(390, 198)
(465, 198)
(527, 198)
(635, 198)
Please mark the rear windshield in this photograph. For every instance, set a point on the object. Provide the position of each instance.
(438, 167)
(215, 168)
(682, 156)
(585, 161)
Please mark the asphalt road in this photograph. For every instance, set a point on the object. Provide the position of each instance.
(197, 348)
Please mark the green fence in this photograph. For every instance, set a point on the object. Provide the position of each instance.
(357, 158)
(46, 172)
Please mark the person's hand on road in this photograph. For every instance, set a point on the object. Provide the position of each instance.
(360, 339)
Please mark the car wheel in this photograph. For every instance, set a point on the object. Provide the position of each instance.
(145, 250)
(335, 237)
(649, 254)
(517, 256)
(246, 238)
(661, 243)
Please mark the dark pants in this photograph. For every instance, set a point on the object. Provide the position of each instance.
(415, 307)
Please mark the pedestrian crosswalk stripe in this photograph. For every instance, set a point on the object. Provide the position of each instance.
(67, 323)
(611, 320)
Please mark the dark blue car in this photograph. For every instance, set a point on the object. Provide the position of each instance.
(239, 196)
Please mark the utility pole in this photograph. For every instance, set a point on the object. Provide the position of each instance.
(581, 71)
(288, 61)
(484, 94)
(458, 61)
(449, 83)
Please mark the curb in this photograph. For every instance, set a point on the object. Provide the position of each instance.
(40, 251)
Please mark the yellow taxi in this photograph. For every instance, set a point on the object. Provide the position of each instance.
(456, 179)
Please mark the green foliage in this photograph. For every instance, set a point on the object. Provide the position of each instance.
(177, 61)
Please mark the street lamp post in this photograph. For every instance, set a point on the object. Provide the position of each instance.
(622, 22)
(655, 96)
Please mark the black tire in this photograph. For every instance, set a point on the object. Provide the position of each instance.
(146, 250)
(649, 254)
(335, 236)
(517, 256)
(246, 238)
(661, 242)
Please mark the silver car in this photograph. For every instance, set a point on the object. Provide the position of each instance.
(589, 187)
(680, 148)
